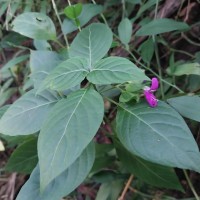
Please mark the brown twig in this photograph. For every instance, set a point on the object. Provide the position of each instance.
(126, 188)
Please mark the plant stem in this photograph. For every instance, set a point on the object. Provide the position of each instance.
(159, 65)
(154, 73)
(69, 2)
(60, 22)
(157, 54)
(190, 185)
(102, 15)
(126, 188)
(123, 9)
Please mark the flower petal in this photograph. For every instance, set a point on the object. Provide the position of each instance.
(151, 99)
(154, 84)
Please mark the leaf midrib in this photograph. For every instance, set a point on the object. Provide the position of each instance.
(154, 130)
(29, 110)
(78, 103)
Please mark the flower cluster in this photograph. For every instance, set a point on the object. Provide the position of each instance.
(148, 92)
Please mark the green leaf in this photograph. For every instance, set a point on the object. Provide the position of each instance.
(24, 158)
(13, 62)
(66, 75)
(187, 106)
(6, 95)
(110, 191)
(62, 185)
(71, 125)
(73, 11)
(27, 114)
(35, 25)
(102, 158)
(41, 63)
(125, 31)
(41, 45)
(151, 173)
(144, 7)
(147, 50)
(115, 70)
(128, 96)
(159, 26)
(158, 135)
(3, 109)
(88, 12)
(185, 69)
(92, 43)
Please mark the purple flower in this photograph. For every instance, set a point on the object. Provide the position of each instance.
(154, 84)
(151, 99)
(148, 92)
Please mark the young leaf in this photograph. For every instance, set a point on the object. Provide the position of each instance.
(66, 75)
(41, 64)
(125, 31)
(158, 134)
(147, 50)
(27, 114)
(35, 25)
(73, 11)
(24, 158)
(92, 43)
(115, 70)
(88, 11)
(151, 173)
(187, 106)
(159, 26)
(185, 69)
(69, 128)
(62, 185)
(110, 191)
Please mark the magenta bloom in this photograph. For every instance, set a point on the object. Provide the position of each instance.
(154, 84)
(148, 93)
(151, 99)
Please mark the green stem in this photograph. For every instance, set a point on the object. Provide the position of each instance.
(157, 54)
(102, 15)
(181, 51)
(159, 65)
(154, 73)
(69, 2)
(60, 44)
(191, 185)
(123, 9)
(189, 40)
(60, 22)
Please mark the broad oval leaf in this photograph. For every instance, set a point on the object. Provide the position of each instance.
(70, 127)
(35, 25)
(158, 134)
(27, 114)
(66, 75)
(24, 158)
(89, 10)
(125, 31)
(187, 106)
(62, 185)
(115, 70)
(92, 43)
(162, 25)
(151, 173)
